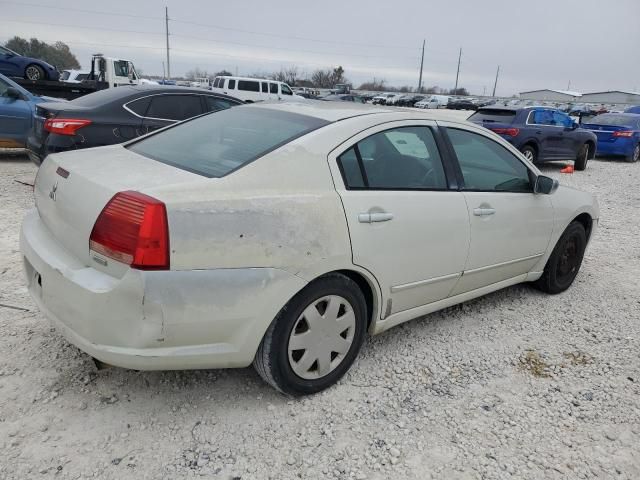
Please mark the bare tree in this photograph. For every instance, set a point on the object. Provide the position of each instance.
(375, 85)
(287, 75)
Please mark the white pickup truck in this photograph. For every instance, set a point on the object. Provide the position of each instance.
(105, 72)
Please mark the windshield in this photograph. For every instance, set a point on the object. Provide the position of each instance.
(5, 51)
(623, 120)
(217, 144)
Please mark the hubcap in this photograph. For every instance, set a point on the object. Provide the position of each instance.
(321, 337)
(528, 154)
(569, 260)
(33, 73)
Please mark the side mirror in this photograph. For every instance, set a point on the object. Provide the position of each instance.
(13, 93)
(545, 185)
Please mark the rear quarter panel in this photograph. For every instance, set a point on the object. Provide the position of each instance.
(280, 211)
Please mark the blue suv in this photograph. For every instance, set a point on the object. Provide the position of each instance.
(542, 134)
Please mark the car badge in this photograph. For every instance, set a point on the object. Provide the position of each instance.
(52, 193)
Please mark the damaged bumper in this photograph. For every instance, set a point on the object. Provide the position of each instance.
(155, 320)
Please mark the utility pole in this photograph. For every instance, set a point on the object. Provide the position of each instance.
(569, 85)
(421, 65)
(455, 90)
(164, 76)
(496, 82)
(166, 22)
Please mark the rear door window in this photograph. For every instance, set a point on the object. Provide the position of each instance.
(265, 87)
(214, 104)
(541, 117)
(140, 106)
(174, 107)
(404, 158)
(273, 88)
(249, 85)
(216, 145)
(232, 84)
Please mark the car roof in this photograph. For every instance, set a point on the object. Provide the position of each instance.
(109, 95)
(337, 111)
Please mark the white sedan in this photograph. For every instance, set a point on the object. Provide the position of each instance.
(280, 234)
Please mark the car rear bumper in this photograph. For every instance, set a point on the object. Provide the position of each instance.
(153, 320)
(617, 147)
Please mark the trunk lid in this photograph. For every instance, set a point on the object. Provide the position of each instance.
(72, 189)
(604, 132)
(50, 110)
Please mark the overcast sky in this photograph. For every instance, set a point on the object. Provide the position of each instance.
(591, 44)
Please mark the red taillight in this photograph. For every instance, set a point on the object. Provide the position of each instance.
(623, 133)
(509, 132)
(65, 126)
(133, 229)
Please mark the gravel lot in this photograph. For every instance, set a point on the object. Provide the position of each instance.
(515, 385)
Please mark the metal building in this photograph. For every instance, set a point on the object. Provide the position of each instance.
(612, 97)
(549, 95)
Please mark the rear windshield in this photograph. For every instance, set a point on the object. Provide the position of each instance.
(493, 115)
(217, 144)
(622, 120)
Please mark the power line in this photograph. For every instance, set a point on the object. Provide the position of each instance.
(288, 49)
(315, 52)
(204, 54)
(81, 10)
(207, 25)
(92, 27)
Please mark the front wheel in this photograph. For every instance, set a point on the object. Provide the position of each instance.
(315, 338)
(635, 155)
(582, 158)
(34, 72)
(565, 260)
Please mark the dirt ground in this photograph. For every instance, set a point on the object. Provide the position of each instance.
(514, 385)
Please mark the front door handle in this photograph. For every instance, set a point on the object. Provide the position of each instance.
(483, 212)
(375, 217)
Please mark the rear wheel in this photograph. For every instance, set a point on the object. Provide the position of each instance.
(529, 153)
(34, 72)
(315, 338)
(565, 260)
(635, 156)
(582, 158)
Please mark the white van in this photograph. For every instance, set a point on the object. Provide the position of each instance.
(434, 101)
(254, 89)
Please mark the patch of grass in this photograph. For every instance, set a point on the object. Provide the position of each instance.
(578, 358)
(533, 363)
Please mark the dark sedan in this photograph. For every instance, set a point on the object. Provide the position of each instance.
(542, 134)
(13, 64)
(462, 104)
(115, 116)
(337, 97)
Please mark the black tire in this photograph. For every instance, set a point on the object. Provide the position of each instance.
(635, 156)
(272, 358)
(565, 260)
(581, 160)
(34, 72)
(530, 153)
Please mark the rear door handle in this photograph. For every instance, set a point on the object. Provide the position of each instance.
(375, 217)
(483, 212)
